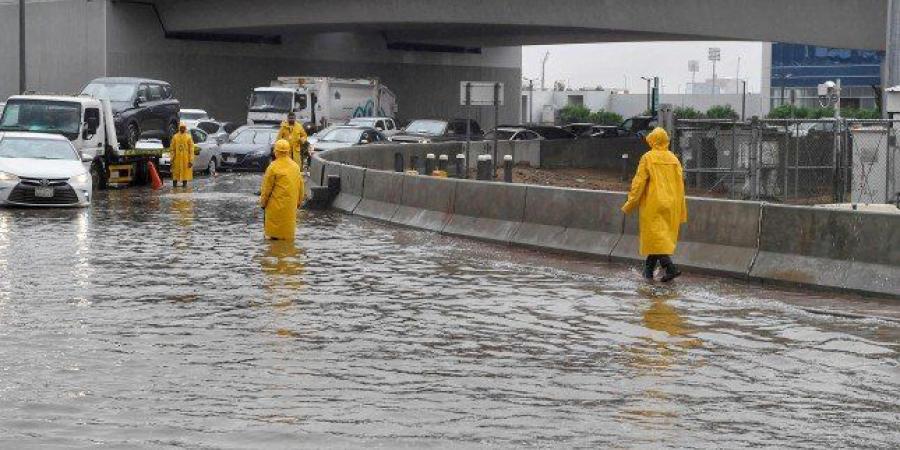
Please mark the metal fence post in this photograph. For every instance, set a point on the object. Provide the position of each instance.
(733, 151)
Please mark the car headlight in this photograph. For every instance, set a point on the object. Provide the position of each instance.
(6, 176)
(425, 141)
(81, 179)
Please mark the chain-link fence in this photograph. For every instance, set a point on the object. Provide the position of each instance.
(792, 161)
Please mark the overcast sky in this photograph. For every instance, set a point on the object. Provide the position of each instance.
(608, 65)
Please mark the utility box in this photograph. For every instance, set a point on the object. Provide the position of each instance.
(875, 177)
(892, 101)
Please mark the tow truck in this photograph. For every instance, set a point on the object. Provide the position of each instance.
(88, 123)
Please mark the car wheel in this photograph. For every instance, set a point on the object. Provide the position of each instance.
(98, 180)
(211, 168)
(132, 135)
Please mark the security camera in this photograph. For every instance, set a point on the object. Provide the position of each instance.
(827, 89)
(829, 93)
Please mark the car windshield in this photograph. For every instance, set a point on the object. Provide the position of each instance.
(114, 92)
(363, 122)
(42, 116)
(37, 149)
(429, 127)
(343, 135)
(192, 115)
(502, 135)
(271, 101)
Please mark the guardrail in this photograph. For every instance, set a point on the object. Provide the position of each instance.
(837, 249)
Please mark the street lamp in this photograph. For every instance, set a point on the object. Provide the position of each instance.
(649, 92)
(715, 54)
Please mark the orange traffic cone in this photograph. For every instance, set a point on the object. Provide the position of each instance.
(155, 181)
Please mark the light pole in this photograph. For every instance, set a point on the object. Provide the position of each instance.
(649, 91)
(715, 54)
(544, 68)
(693, 68)
(22, 84)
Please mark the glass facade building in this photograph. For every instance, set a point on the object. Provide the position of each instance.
(797, 70)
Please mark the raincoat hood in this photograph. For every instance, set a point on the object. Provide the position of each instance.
(282, 148)
(658, 139)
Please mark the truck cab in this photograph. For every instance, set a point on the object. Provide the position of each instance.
(80, 119)
(271, 105)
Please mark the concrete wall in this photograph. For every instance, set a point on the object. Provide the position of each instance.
(65, 45)
(756, 241)
(219, 76)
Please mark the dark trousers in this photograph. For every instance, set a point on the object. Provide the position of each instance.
(652, 260)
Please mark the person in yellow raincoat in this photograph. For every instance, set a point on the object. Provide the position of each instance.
(658, 188)
(182, 148)
(281, 194)
(294, 133)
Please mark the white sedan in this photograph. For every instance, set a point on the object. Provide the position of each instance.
(42, 170)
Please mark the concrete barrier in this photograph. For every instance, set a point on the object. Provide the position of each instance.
(571, 220)
(875, 255)
(316, 165)
(487, 211)
(352, 181)
(720, 236)
(382, 194)
(839, 249)
(426, 202)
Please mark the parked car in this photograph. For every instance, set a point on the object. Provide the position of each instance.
(38, 169)
(192, 117)
(217, 131)
(249, 148)
(633, 126)
(512, 134)
(207, 154)
(424, 131)
(347, 136)
(545, 131)
(384, 125)
(142, 108)
(811, 128)
(580, 129)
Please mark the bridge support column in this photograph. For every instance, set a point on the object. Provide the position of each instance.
(891, 73)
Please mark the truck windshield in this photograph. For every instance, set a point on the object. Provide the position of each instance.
(114, 92)
(42, 116)
(271, 101)
(37, 149)
(428, 127)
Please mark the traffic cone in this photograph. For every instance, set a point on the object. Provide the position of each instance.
(155, 181)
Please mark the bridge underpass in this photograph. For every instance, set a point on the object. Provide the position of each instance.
(214, 52)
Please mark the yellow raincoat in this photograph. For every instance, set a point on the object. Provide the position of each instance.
(182, 149)
(658, 187)
(281, 193)
(296, 136)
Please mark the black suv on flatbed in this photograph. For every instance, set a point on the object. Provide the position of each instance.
(142, 108)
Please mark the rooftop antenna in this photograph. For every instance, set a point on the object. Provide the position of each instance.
(543, 68)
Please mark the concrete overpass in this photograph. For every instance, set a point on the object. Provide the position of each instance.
(215, 51)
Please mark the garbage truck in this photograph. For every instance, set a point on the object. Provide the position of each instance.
(89, 124)
(320, 101)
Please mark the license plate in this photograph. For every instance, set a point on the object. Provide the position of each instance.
(43, 192)
(231, 160)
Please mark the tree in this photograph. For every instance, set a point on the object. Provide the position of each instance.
(574, 114)
(687, 112)
(602, 117)
(721, 112)
(790, 112)
(559, 86)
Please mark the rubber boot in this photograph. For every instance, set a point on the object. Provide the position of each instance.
(649, 267)
(174, 184)
(184, 184)
(672, 271)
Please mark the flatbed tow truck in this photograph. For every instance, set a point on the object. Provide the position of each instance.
(88, 123)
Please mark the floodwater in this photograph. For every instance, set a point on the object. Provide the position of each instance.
(164, 320)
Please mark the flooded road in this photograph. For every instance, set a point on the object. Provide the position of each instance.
(163, 320)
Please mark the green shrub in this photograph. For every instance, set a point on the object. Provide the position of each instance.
(574, 114)
(790, 111)
(605, 118)
(721, 112)
(687, 112)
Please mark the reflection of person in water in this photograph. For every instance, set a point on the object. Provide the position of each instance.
(283, 266)
(663, 317)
